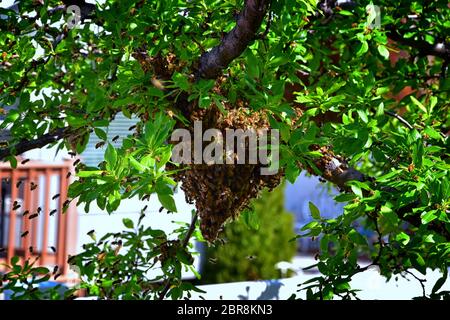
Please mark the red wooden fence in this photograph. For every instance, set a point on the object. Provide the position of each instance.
(32, 222)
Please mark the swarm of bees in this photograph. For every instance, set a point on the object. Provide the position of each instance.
(221, 191)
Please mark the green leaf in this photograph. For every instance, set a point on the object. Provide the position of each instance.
(357, 190)
(292, 172)
(344, 197)
(356, 237)
(380, 110)
(87, 174)
(429, 216)
(204, 101)
(419, 104)
(363, 49)
(41, 270)
(185, 257)
(14, 260)
(383, 51)
(440, 282)
(251, 219)
(128, 223)
(100, 133)
(432, 133)
(418, 152)
(181, 81)
(315, 213)
(12, 161)
(136, 164)
(345, 13)
(167, 202)
(252, 65)
(403, 238)
(111, 156)
(363, 115)
(389, 215)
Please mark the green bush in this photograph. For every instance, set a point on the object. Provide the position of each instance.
(250, 254)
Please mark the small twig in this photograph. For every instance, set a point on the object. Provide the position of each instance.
(399, 118)
(380, 241)
(183, 245)
(269, 22)
(421, 281)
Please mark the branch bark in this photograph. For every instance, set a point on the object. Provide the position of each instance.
(236, 41)
(335, 170)
(26, 145)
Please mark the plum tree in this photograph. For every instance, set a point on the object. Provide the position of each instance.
(358, 92)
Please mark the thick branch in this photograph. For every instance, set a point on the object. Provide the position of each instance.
(335, 170)
(26, 145)
(236, 41)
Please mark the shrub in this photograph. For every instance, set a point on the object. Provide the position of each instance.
(250, 253)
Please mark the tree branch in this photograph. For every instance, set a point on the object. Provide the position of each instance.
(184, 244)
(399, 118)
(26, 145)
(234, 42)
(335, 170)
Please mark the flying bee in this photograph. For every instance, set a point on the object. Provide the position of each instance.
(92, 234)
(76, 162)
(55, 196)
(115, 138)
(24, 234)
(68, 175)
(158, 83)
(18, 183)
(53, 212)
(250, 257)
(16, 205)
(55, 269)
(25, 161)
(53, 249)
(34, 215)
(33, 186)
(99, 144)
(101, 256)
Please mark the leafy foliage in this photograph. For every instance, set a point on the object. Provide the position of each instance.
(345, 93)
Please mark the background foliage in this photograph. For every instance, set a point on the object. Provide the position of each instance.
(320, 74)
